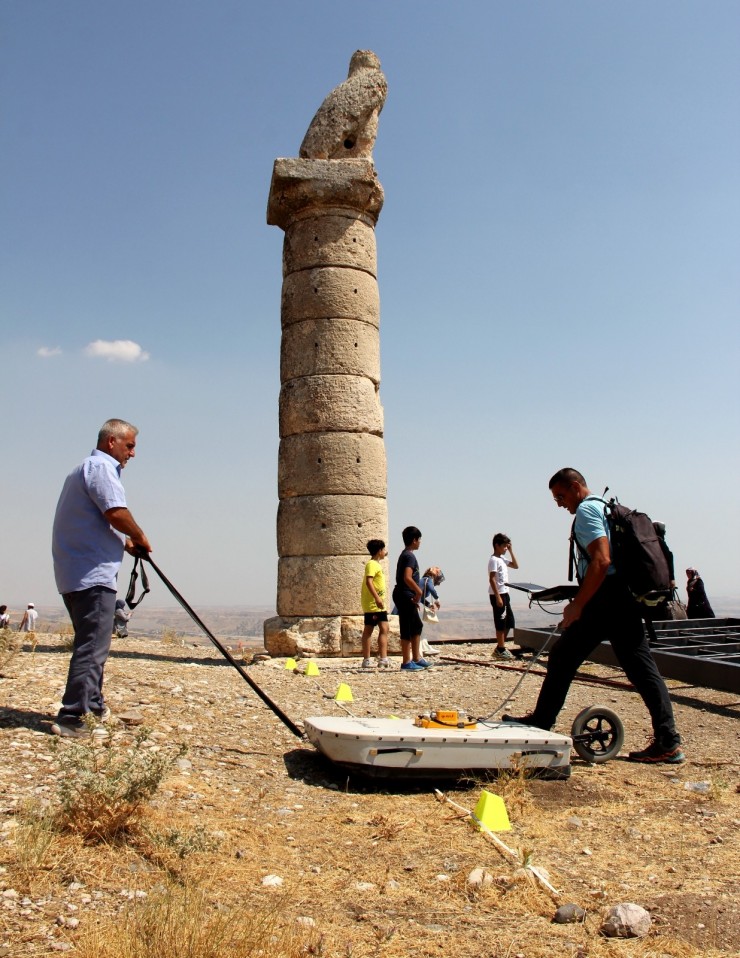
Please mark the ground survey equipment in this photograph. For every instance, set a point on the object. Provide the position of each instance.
(441, 743)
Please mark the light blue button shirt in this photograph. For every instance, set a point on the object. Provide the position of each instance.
(87, 551)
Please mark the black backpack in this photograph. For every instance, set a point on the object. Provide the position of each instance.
(637, 553)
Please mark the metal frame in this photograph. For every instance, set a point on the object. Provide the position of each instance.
(702, 652)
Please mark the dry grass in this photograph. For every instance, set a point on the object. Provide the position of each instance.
(381, 871)
(191, 922)
(170, 637)
(104, 785)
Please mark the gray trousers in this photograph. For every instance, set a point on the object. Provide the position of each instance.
(91, 612)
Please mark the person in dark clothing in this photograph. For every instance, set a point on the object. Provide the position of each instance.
(603, 608)
(698, 605)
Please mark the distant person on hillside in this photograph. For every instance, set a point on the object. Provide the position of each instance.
(698, 606)
(430, 598)
(407, 596)
(498, 592)
(92, 527)
(120, 620)
(28, 622)
(373, 599)
(4, 617)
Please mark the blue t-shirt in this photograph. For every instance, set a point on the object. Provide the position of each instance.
(590, 524)
(407, 560)
(87, 550)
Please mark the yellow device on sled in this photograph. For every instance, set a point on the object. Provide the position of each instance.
(444, 718)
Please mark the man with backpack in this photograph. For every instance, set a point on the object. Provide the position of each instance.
(603, 608)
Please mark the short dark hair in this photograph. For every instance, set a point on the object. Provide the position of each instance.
(501, 539)
(374, 546)
(564, 477)
(409, 534)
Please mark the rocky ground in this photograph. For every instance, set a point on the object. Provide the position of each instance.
(267, 827)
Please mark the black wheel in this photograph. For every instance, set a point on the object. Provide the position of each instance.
(597, 733)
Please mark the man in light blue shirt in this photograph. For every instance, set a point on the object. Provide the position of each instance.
(603, 608)
(92, 528)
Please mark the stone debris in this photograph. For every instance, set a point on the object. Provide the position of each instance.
(479, 878)
(626, 920)
(568, 914)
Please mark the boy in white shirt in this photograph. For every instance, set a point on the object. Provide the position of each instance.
(498, 591)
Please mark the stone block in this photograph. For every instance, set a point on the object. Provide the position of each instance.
(320, 585)
(332, 463)
(330, 404)
(299, 186)
(352, 626)
(329, 240)
(330, 346)
(330, 292)
(330, 525)
(319, 636)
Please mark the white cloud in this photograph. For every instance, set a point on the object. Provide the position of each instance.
(46, 351)
(117, 351)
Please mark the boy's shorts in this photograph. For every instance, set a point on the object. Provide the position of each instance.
(503, 617)
(373, 618)
(409, 620)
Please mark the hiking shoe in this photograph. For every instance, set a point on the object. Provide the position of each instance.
(423, 664)
(384, 663)
(504, 653)
(367, 663)
(76, 730)
(655, 752)
(412, 667)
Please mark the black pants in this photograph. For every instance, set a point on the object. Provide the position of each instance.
(91, 611)
(611, 614)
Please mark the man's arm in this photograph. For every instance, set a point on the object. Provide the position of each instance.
(598, 566)
(122, 520)
(408, 581)
(513, 564)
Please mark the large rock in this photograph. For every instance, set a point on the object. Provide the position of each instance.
(320, 636)
(626, 920)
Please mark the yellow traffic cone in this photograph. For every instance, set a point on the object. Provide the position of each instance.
(312, 669)
(291, 665)
(490, 813)
(344, 693)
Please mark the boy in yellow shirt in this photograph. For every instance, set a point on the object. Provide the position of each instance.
(374, 606)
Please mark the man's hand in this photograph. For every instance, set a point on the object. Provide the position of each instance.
(571, 614)
(499, 601)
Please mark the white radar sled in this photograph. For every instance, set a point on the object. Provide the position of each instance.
(446, 744)
(393, 747)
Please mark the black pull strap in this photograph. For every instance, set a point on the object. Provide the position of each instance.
(287, 722)
(131, 601)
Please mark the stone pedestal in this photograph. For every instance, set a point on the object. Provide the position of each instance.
(331, 462)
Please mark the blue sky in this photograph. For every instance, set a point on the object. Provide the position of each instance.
(558, 269)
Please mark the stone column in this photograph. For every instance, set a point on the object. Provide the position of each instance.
(331, 466)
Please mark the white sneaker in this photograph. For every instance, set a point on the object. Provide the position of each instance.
(430, 650)
(367, 663)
